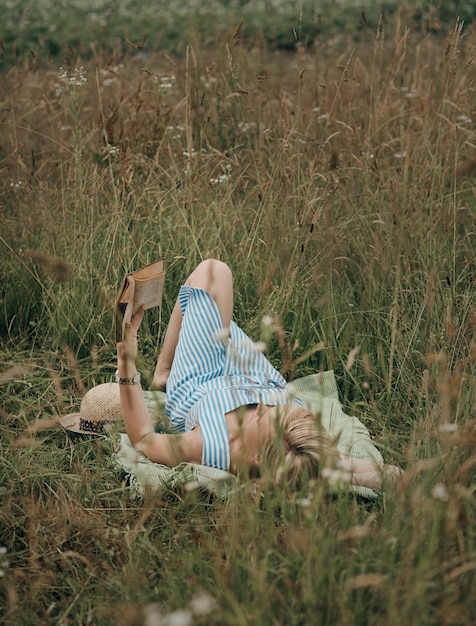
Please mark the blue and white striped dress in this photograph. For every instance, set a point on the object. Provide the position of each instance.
(213, 374)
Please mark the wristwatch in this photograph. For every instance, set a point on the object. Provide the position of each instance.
(135, 380)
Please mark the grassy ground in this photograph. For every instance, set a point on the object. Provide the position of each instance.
(338, 181)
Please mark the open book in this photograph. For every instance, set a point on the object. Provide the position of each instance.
(143, 287)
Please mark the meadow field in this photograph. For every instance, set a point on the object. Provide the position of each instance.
(334, 169)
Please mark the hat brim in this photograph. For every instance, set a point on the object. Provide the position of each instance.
(72, 423)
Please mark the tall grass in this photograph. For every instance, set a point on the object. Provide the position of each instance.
(338, 183)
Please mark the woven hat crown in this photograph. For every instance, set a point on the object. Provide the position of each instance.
(102, 403)
(99, 407)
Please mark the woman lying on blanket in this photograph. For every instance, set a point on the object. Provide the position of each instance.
(231, 408)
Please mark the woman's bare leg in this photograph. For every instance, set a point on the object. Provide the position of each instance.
(212, 276)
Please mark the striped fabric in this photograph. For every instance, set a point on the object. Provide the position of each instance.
(214, 372)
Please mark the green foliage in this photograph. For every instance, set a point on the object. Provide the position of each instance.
(51, 28)
(337, 181)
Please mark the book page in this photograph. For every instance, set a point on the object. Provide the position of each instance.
(149, 271)
(143, 287)
(148, 293)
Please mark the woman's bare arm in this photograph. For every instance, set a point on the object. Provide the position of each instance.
(167, 449)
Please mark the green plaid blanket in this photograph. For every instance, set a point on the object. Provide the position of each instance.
(319, 393)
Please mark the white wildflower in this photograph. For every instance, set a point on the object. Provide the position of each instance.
(292, 390)
(208, 81)
(336, 476)
(112, 150)
(193, 485)
(219, 180)
(202, 604)
(267, 321)
(75, 77)
(222, 335)
(223, 177)
(181, 617)
(439, 492)
(166, 82)
(244, 127)
(447, 428)
(305, 503)
(152, 615)
(258, 346)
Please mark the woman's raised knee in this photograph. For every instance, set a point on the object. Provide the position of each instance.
(210, 275)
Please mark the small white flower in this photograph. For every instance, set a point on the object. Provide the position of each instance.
(181, 617)
(447, 428)
(258, 346)
(244, 127)
(336, 476)
(112, 150)
(75, 78)
(439, 492)
(193, 485)
(208, 81)
(267, 322)
(152, 615)
(220, 179)
(304, 502)
(222, 335)
(202, 604)
(292, 391)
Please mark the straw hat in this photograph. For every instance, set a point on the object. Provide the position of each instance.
(99, 407)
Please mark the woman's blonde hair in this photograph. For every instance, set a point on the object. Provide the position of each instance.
(301, 447)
